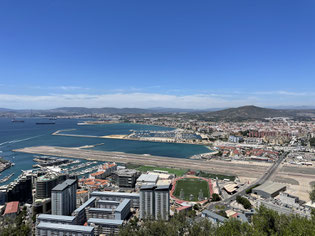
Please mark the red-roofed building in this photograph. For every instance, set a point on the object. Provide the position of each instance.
(11, 209)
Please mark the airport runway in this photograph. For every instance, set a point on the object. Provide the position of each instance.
(212, 166)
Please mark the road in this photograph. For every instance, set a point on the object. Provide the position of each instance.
(259, 181)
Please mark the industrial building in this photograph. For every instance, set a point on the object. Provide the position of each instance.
(269, 189)
(63, 197)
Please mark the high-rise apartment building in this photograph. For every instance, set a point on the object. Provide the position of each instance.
(162, 202)
(147, 207)
(154, 202)
(63, 197)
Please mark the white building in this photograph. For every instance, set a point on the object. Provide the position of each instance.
(147, 179)
(289, 200)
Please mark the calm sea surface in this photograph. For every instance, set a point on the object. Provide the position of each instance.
(19, 135)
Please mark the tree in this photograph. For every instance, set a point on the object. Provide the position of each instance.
(266, 222)
(269, 222)
(234, 227)
(244, 201)
(312, 194)
(215, 197)
(197, 207)
(249, 190)
(222, 213)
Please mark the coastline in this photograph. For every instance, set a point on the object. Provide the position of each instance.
(213, 166)
(127, 137)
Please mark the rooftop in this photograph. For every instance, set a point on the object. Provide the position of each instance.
(101, 209)
(12, 207)
(55, 217)
(108, 202)
(63, 227)
(64, 185)
(214, 216)
(126, 172)
(98, 173)
(148, 187)
(148, 178)
(122, 205)
(114, 194)
(163, 187)
(84, 205)
(310, 204)
(270, 187)
(105, 221)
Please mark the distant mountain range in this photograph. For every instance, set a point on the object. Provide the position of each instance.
(84, 110)
(105, 110)
(230, 114)
(257, 113)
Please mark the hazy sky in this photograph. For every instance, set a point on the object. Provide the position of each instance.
(188, 54)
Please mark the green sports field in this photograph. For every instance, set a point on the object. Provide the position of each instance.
(185, 187)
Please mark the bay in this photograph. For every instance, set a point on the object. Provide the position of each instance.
(19, 135)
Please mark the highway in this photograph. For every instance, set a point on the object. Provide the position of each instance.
(259, 181)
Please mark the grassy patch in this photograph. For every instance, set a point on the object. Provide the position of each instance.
(177, 172)
(214, 176)
(189, 186)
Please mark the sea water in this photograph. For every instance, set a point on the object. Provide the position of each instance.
(14, 135)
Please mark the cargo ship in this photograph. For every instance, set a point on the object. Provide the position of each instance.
(45, 123)
(17, 121)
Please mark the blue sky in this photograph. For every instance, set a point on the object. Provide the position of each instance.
(187, 54)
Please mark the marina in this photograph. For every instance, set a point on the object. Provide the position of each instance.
(219, 167)
(52, 161)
